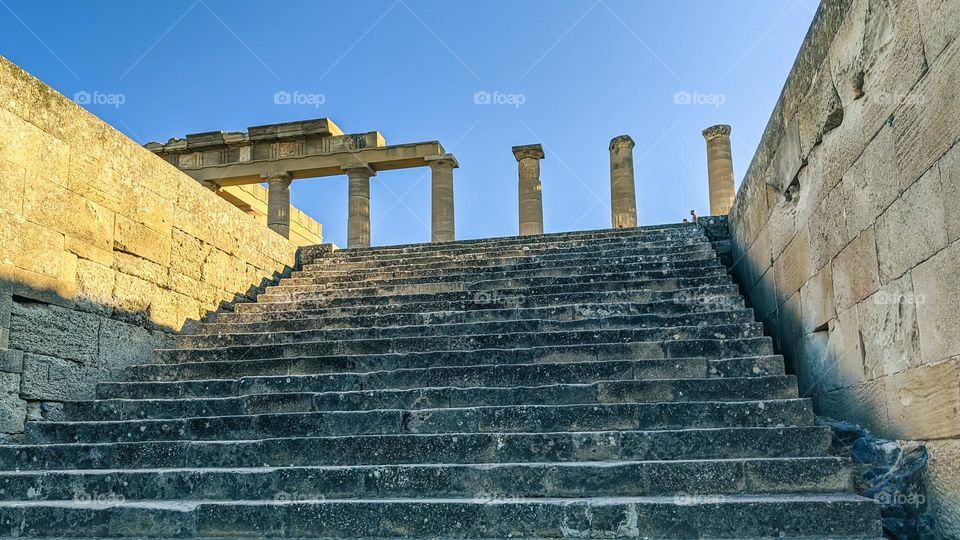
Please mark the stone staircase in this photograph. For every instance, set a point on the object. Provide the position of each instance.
(596, 384)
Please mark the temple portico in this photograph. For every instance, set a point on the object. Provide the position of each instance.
(278, 154)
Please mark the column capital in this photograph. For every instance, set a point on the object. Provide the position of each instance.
(442, 160)
(528, 151)
(622, 141)
(713, 132)
(359, 168)
(276, 176)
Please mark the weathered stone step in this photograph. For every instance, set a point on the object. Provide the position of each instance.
(496, 245)
(678, 295)
(709, 342)
(582, 266)
(214, 378)
(644, 277)
(278, 397)
(607, 252)
(599, 314)
(680, 254)
(458, 335)
(721, 443)
(492, 419)
(733, 516)
(491, 480)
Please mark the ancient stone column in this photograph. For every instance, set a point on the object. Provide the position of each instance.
(531, 201)
(623, 198)
(278, 202)
(720, 169)
(441, 168)
(358, 206)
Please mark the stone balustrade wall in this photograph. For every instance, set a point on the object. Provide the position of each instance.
(846, 228)
(106, 250)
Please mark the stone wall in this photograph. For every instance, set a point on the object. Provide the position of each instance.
(846, 228)
(106, 250)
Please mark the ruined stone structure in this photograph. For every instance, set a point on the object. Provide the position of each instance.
(277, 154)
(170, 367)
(846, 226)
(253, 200)
(720, 169)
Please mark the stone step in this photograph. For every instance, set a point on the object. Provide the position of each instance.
(580, 266)
(644, 278)
(732, 516)
(666, 252)
(487, 419)
(495, 481)
(354, 371)
(598, 314)
(684, 295)
(264, 396)
(687, 342)
(456, 333)
(681, 254)
(497, 245)
(714, 443)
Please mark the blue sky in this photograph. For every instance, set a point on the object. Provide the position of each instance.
(572, 75)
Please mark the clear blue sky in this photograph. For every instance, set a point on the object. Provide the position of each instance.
(585, 71)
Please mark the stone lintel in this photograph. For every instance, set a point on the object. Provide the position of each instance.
(528, 151)
(359, 167)
(322, 127)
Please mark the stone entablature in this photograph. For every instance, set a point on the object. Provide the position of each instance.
(272, 141)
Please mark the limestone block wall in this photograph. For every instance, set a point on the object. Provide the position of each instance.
(106, 250)
(846, 228)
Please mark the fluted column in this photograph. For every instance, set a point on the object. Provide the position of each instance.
(623, 198)
(531, 200)
(358, 205)
(278, 202)
(441, 168)
(720, 169)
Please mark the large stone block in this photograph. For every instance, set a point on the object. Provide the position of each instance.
(788, 160)
(138, 239)
(889, 330)
(53, 379)
(871, 184)
(12, 181)
(845, 362)
(939, 25)
(57, 208)
(936, 283)
(893, 58)
(54, 331)
(11, 360)
(794, 267)
(763, 296)
(816, 299)
(943, 485)
(828, 232)
(912, 229)
(13, 410)
(29, 246)
(812, 354)
(820, 112)
(132, 298)
(926, 126)
(924, 402)
(781, 227)
(122, 345)
(187, 254)
(856, 272)
(863, 403)
(95, 284)
(789, 327)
